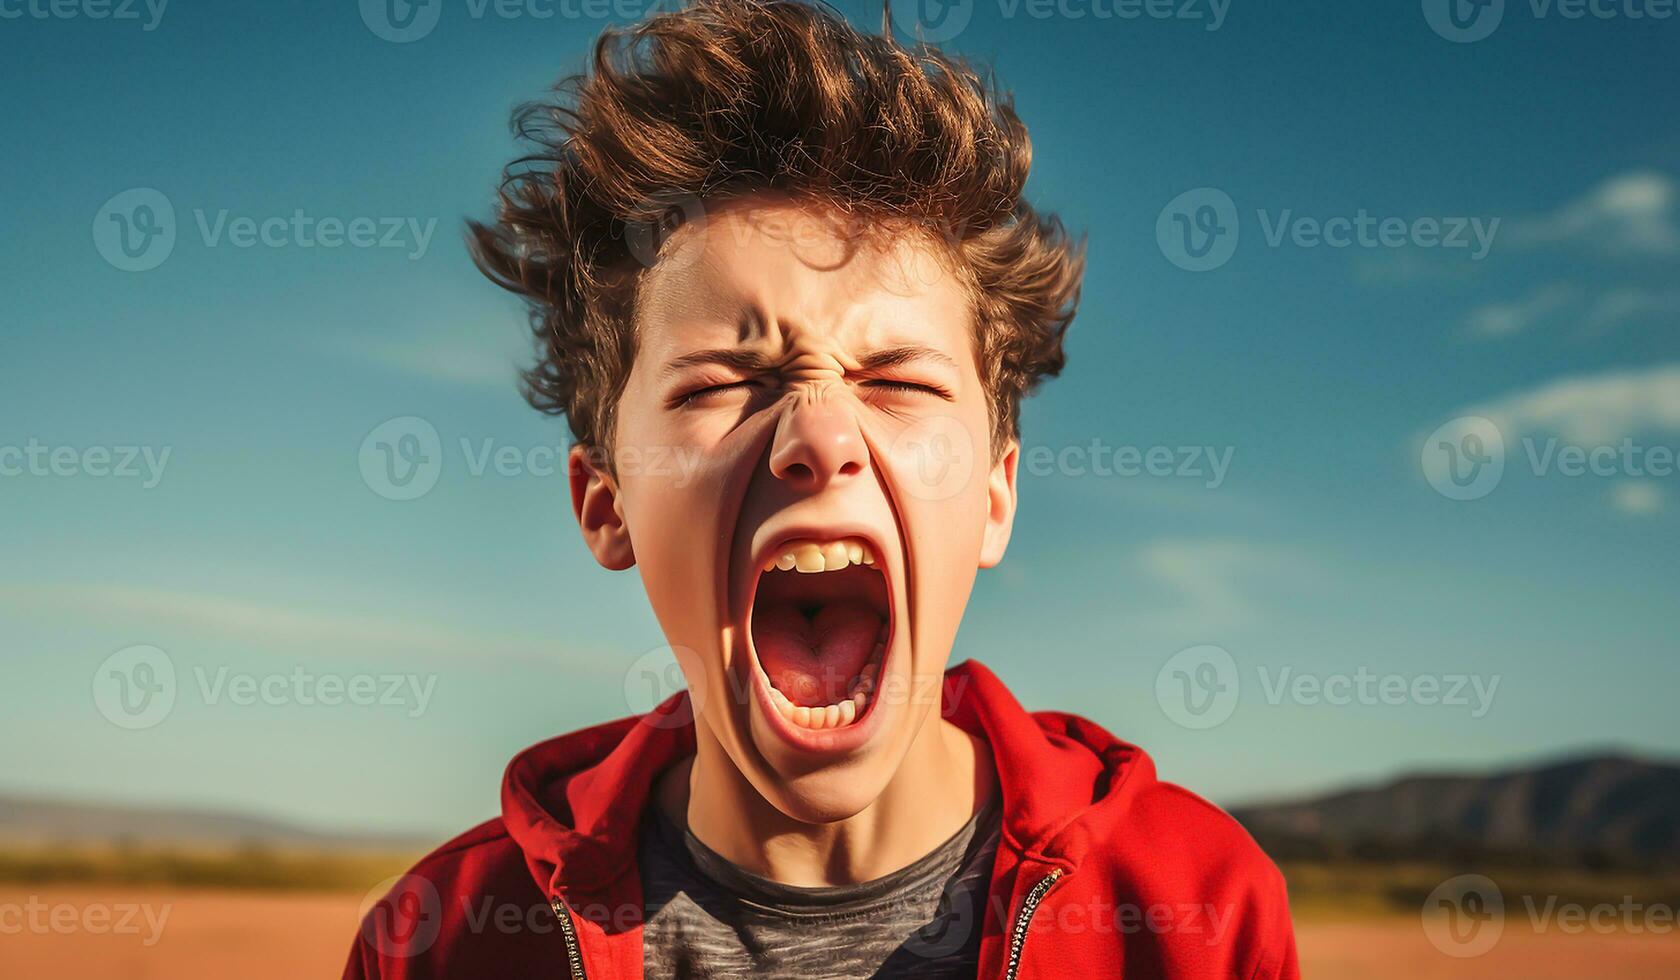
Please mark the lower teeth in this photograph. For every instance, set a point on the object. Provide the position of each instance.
(840, 713)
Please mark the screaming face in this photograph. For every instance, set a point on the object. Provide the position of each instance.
(810, 550)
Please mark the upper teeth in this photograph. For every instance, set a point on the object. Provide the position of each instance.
(820, 556)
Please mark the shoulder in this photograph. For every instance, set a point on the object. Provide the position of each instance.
(471, 901)
(1180, 878)
(1148, 829)
(1180, 860)
(1206, 842)
(486, 849)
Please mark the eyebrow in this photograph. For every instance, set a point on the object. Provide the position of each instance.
(745, 361)
(903, 354)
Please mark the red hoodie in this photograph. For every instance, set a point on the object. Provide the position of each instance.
(1102, 870)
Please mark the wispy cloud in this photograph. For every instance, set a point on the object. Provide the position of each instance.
(1640, 498)
(488, 359)
(1627, 303)
(1405, 267)
(1559, 301)
(1591, 409)
(260, 623)
(1214, 579)
(1631, 213)
(455, 364)
(1520, 315)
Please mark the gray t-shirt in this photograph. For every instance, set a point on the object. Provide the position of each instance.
(708, 919)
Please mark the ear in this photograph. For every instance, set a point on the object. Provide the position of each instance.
(1000, 505)
(595, 503)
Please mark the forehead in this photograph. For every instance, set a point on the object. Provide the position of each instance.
(778, 275)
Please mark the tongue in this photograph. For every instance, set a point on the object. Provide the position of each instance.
(813, 659)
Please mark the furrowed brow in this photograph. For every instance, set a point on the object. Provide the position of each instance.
(745, 361)
(903, 354)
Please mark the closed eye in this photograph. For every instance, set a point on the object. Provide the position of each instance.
(915, 387)
(712, 391)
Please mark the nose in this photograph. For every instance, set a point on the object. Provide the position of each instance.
(817, 441)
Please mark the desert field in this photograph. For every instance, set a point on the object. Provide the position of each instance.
(173, 933)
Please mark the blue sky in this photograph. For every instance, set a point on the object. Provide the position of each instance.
(261, 550)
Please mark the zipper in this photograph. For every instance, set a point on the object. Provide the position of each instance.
(1018, 935)
(568, 928)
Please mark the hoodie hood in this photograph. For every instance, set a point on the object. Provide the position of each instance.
(574, 804)
(1088, 838)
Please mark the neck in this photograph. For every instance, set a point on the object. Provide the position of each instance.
(945, 777)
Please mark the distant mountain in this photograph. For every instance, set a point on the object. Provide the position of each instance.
(1609, 810)
(29, 822)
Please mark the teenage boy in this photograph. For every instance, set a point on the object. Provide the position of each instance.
(796, 258)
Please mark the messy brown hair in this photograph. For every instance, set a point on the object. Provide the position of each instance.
(729, 97)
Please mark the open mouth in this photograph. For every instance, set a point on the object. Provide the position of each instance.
(821, 621)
